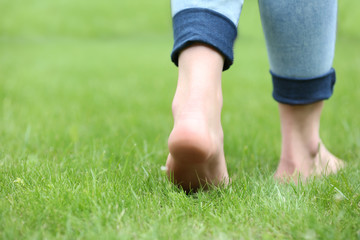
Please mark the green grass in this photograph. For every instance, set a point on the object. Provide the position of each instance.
(85, 112)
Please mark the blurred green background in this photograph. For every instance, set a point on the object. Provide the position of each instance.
(75, 61)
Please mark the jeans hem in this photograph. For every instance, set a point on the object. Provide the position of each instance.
(299, 91)
(201, 25)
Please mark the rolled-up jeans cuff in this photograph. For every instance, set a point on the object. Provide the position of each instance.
(201, 25)
(297, 91)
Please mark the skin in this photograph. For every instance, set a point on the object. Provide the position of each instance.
(196, 153)
(302, 153)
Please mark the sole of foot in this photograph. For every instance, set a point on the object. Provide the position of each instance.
(196, 159)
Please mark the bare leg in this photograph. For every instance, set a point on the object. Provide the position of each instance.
(303, 153)
(196, 142)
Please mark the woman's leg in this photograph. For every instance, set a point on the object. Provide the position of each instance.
(196, 141)
(300, 38)
(204, 33)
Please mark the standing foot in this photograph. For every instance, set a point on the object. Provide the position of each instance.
(302, 153)
(303, 166)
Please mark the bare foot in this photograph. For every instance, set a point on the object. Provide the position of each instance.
(326, 163)
(196, 157)
(302, 152)
(301, 167)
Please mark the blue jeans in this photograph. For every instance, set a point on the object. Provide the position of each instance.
(300, 38)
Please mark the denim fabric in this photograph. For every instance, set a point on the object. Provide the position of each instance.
(229, 8)
(206, 26)
(303, 91)
(300, 38)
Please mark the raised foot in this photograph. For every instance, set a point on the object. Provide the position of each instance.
(196, 159)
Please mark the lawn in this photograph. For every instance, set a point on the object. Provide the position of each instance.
(85, 112)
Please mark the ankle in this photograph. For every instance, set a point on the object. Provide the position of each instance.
(295, 144)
